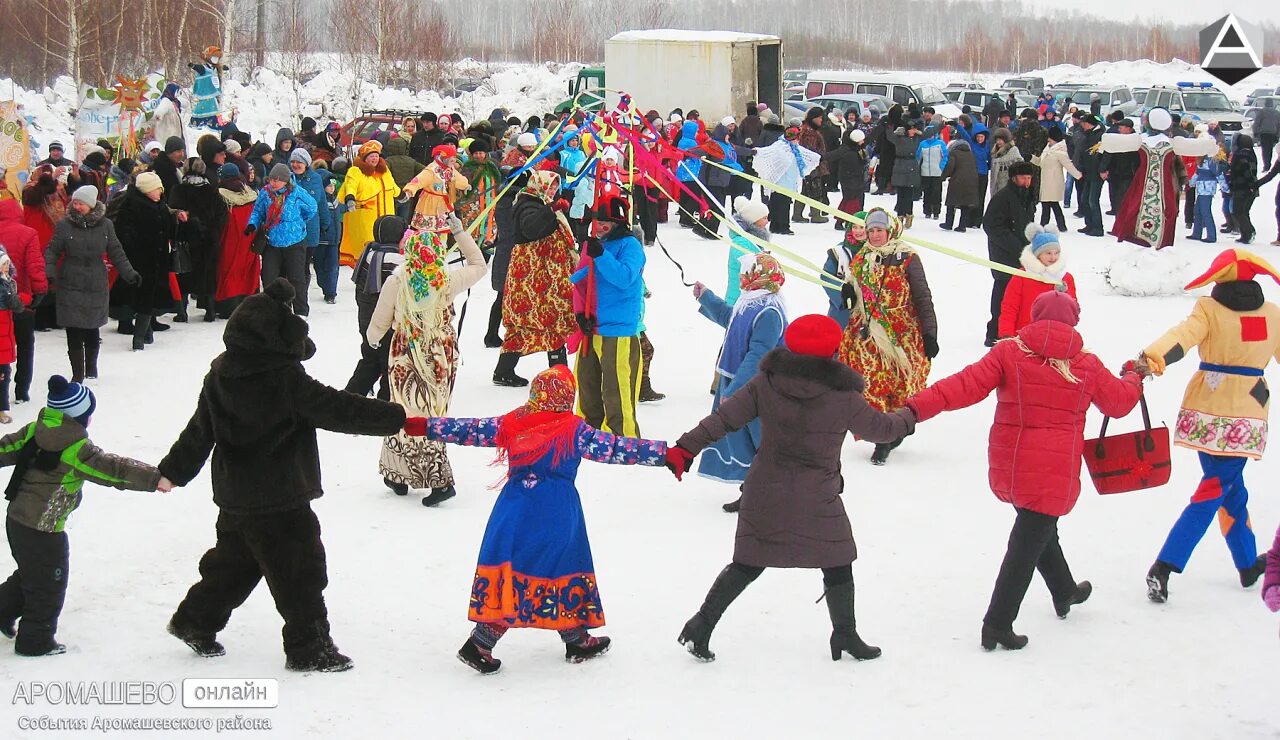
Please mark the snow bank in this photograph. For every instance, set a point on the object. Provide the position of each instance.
(1148, 272)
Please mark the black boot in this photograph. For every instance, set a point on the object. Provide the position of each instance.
(75, 353)
(881, 453)
(491, 338)
(91, 359)
(472, 655)
(180, 315)
(141, 331)
(157, 326)
(1158, 582)
(734, 506)
(439, 495)
(505, 373)
(696, 635)
(991, 637)
(557, 357)
(399, 489)
(201, 642)
(1250, 575)
(210, 309)
(324, 658)
(591, 647)
(124, 326)
(1083, 590)
(844, 628)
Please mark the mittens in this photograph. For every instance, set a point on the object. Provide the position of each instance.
(135, 279)
(560, 206)
(1271, 597)
(415, 426)
(250, 229)
(594, 248)
(848, 296)
(585, 323)
(678, 459)
(930, 346)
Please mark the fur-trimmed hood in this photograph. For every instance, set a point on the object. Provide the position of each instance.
(368, 169)
(804, 376)
(1032, 264)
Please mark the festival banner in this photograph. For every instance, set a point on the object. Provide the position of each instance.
(15, 146)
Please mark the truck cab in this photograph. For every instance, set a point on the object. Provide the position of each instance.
(590, 85)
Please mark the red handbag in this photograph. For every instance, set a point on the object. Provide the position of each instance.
(1132, 461)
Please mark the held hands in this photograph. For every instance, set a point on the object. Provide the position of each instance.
(416, 426)
(698, 289)
(455, 224)
(165, 485)
(560, 205)
(1144, 365)
(678, 460)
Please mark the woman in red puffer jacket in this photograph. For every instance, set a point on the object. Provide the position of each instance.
(1044, 382)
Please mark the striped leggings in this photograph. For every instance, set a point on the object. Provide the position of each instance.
(609, 371)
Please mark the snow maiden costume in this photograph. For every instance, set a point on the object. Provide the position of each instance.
(535, 567)
(1224, 410)
(753, 327)
(438, 187)
(1148, 215)
(416, 303)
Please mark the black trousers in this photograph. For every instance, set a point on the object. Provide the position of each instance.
(998, 286)
(371, 368)
(647, 213)
(906, 201)
(290, 263)
(37, 589)
(285, 549)
(24, 330)
(708, 224)
(1268, 144)
(779, 213)
(932, 195)
(1033, 545)
(689, 209)
(1241, 204)
(1189, 206)
(1054, 208)
(833, 576)
(967, 217)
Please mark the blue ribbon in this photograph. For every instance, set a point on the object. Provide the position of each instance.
(1251, 372)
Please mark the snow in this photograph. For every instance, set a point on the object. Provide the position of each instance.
(930, 539)
(677, 34)
(1145, 272)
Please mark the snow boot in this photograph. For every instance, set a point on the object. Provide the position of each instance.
(9, 626)
(202, 643)
(439, 495)
(844, 628)
(1081, 595)
(76, 355)
(1158, 582)
(505, 373)
(696, 634)
(124, 326)
(586, 649)
(991, 637)
(157, 326)
(399, 489)
(1250, 575)
(478, 658)
(180, 316)
(818, 217)
(141, 332)
(647, 393)
(210, 309)
(55, 648)
(797, 213)
(91, 359)
(734, 506)
(908, 220)
(325, 659)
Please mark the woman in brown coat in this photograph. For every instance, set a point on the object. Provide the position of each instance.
(792, 516)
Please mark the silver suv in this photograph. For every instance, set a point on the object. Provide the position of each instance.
(1197, 101)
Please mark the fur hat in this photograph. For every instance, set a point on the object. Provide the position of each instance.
(86, 194)
(72, 399)
(527, 139)
(265, 324)
(1056, 305)
(195, 166)
(1021, 168)
(814, 334)
(148, 182)
(750, 210)
(1042, 238)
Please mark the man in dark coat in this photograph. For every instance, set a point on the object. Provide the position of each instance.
(257, 414)
(1089, 162)
(752, 126)
(1005, 223)
(169, 165)
(992, 110)
(1119, 169)
(1031, 138)
(791, 515)
(426, 139)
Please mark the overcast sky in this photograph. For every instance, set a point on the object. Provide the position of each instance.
(1199, 11)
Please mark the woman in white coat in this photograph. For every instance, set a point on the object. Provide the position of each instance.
(417, 303)
(1053, 161)
(167, 118)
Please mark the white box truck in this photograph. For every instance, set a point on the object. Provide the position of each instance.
(715, 72)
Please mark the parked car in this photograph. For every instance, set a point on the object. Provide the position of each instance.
(1064, 90)
(1139, 94)
(1112, 99)
(952, 91)
(977, 99)
(1251, 98)
(793, 84)
(1252, 111)
(857, 102)
(1198, 101)
(1025, 99)
(897, 89)
(364, 126)
(1033, 85)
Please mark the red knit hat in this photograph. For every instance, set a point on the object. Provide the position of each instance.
(813, 334)
(1056, 305)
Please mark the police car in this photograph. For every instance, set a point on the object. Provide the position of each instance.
(1198, 102)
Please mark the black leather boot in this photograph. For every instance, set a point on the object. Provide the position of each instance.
(844, 628)
(696, 635)
(505, 372)
(91, 359)
(141, 331)
(75, 353)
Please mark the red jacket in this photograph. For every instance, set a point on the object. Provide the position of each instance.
(24, 248)
(1036, 440)
(1015, 311)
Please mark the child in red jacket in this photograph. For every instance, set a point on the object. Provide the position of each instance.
(1041, 256)
(9, 302)
(1034, 448)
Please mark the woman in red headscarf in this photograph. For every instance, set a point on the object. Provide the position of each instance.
(535, 568)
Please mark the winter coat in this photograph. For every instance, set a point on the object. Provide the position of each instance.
(792, 516)
(619, 280)
(145, 229)
(10, 305)
(291, 226)
(1031, 139)
(1005, 222)
(1224, 413)
(168, 173)
(167, 121)
(849, 165)
(965, 188)
(1242, 178)
(1000, 164)
(932, 155)
(403, 167)
(206, 219)
(279, 154)
(1053, 161)
(259, 165)
(812, 139)
(422, 144)
(1015, 310)
(906, 170)
(981, 152)
(1267, 120)
(320, 225)
(1037, 437)
(23, 245)
(1087, 161)
(750, 130)
(74, 267)
(47, 495)
(532, 219)
(258, 412)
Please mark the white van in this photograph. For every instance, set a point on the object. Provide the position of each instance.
(822, 84)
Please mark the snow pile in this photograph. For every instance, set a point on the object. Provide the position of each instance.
(1148, 272)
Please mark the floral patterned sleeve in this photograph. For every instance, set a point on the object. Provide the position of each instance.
(612, 449)
(469, 432)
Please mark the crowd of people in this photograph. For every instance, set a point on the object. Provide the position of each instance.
(559, 211)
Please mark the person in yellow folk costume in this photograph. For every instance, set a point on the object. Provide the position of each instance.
(1224, 410)
(369, 191)
(438, 187)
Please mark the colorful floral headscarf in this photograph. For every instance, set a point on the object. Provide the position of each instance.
(552, 389)
(761, 271)
(545, 425)
(544, 184)
(424, 263)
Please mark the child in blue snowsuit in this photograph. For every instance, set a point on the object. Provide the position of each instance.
(1207, 182)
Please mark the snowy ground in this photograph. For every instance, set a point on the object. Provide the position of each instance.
(930, 535)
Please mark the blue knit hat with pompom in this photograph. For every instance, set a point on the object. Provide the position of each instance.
(72, 399)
